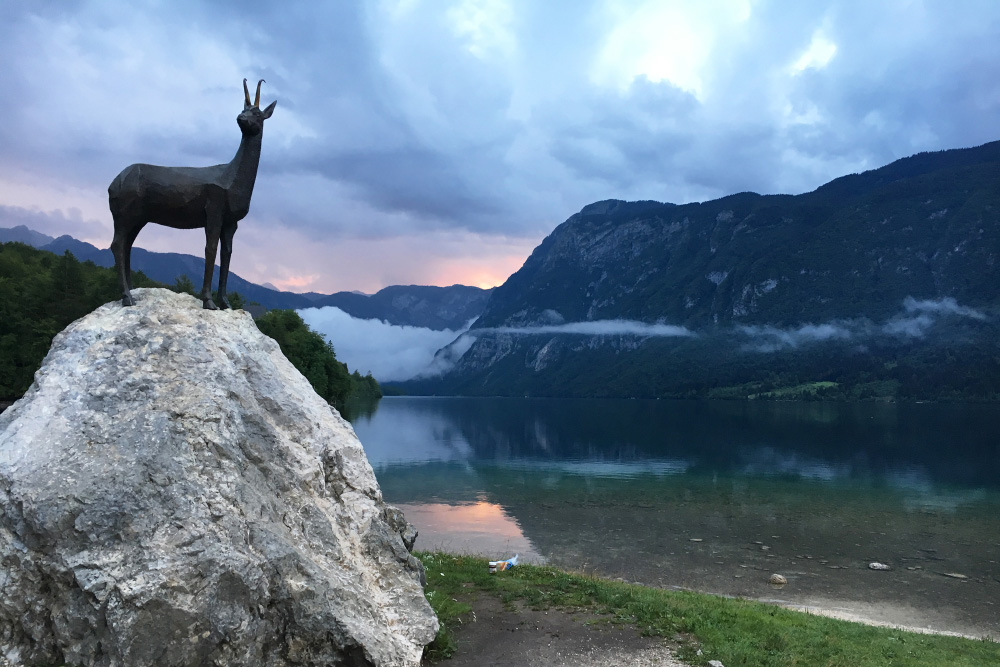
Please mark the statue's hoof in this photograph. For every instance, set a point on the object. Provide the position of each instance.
(127, 300)
(224, 304)
(209, 305)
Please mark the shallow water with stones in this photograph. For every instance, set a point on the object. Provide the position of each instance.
(715, 496)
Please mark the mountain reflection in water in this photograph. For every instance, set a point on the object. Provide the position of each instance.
(896, 444)
(714, 495)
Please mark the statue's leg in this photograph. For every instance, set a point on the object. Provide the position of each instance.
(121, 264)
(213, 227)
(128, 252)
(227, 252)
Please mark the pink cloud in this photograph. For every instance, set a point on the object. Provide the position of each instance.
(290, 260)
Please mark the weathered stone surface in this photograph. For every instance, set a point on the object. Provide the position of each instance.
(173, 492)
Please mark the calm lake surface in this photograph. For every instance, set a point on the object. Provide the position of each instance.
(715, 496)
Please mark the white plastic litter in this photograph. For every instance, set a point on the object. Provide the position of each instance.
(501, 565)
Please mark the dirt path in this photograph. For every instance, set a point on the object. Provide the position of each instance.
(491, 635)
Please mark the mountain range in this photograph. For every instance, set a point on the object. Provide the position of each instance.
(883, 284)
(924, 226)
(432, 307)
(880, 283)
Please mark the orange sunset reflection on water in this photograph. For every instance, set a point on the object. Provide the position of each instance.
(480, 528)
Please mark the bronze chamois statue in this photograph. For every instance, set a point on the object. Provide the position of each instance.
(215, 198)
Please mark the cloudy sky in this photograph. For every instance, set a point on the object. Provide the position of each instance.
(437, 142)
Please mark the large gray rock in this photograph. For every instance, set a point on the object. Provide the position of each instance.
(173, 492)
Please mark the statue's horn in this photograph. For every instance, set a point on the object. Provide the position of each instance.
(246, 93)
(256, 101)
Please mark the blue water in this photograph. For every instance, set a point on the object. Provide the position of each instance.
(922, 445)
(715, 495)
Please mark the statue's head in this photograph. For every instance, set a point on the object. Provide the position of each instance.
(251, 120)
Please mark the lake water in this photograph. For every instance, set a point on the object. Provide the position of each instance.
(715, 496)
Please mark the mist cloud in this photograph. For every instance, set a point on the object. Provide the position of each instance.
(447, 357)
(389, 352)
(771, 339)
(920, 316)
(395, 353)
(916, 320)
(945, 306)
(598, 328)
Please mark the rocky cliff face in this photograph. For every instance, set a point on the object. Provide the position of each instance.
(922, 229)
(173, 492)
(927, 226)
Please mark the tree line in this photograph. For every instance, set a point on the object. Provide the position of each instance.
(41, 293)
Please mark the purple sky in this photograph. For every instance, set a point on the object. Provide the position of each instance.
(439, 142)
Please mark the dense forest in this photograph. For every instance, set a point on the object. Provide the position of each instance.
(41, 293)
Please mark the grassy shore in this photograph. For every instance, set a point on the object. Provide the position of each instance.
(734, 631)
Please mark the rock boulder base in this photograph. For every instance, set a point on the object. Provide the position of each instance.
(173, 492)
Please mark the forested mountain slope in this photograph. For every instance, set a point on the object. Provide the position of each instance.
(884, 283)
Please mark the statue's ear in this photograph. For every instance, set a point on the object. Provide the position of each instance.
(269, 110)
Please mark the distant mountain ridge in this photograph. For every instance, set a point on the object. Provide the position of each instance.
(924, 226)
(924, 231)
(432, 307)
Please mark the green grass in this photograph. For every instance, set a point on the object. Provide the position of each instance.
(740, 633)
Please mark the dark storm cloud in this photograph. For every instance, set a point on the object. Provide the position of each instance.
(492, 118)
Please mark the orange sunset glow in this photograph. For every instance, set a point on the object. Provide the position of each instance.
(478, 528)
(476, 274)
(368, 265)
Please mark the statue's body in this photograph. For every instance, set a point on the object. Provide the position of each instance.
(215, 198)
